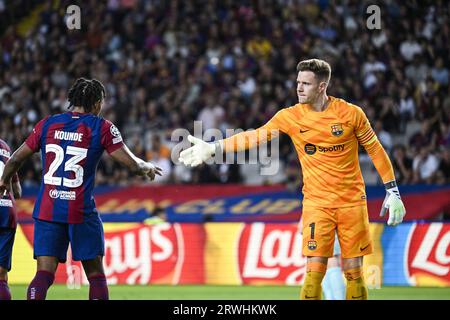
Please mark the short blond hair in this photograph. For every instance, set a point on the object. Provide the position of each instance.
(320, 68)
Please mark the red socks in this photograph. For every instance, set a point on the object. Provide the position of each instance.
(98, 288)
(37, 290)
(4, 290)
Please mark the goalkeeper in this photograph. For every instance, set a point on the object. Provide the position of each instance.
(326, 132)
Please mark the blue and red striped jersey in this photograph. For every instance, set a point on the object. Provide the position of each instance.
(8, 215)
(71, 146)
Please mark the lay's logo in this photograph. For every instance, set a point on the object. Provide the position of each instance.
(428, 255)
(271, 254)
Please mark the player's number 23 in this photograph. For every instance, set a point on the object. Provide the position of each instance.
(78, 154)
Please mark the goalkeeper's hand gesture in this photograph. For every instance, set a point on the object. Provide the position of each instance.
(198, 153)
(394, 204)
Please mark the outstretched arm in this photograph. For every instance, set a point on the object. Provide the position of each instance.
(138, 166)
(202, 151)
(249, 139)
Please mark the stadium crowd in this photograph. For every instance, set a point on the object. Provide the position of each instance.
(232, 64)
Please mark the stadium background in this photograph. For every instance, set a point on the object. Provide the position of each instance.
(231, 64)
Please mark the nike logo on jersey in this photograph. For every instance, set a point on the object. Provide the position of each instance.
(303, 131)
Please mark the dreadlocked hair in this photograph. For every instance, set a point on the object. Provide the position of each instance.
(86, 93)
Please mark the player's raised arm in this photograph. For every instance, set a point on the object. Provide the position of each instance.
(138, 166)
(368, 139)
(202, 151)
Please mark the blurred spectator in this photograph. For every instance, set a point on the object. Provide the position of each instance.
(157, 149)
(440, 72)
(421, 138)
(440, 135)
(425, 166)
(417, 71)
(443, 172)
(211, 116)
(384, 136)
(407, 109)
(370, 66)
(389, 115)
(402, 164)
(159, 154)
(259, 47)
(410, 47)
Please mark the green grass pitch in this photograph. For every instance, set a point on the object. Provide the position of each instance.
(191, 292)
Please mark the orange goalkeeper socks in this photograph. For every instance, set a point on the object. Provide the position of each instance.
(312, 287)
(356, 286)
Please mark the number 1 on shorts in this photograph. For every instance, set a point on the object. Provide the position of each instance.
(312, 226)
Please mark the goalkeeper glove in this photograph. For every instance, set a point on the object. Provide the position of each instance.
(394, 203)
(199, 152)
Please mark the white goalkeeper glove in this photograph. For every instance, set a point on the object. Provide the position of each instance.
(199, 152)
(394, 203)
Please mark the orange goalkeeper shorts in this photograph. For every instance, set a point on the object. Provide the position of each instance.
(352, 227)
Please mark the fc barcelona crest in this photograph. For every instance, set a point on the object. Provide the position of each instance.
(336, 129)
(312, 245)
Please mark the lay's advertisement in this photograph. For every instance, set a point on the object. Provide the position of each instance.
(417, 254)
(135, 253)
(237, 253)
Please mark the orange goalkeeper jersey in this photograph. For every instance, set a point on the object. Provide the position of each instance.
(327, 146)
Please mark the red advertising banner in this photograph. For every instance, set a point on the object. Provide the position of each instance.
(142, 254)
(271, 254)
(428, 254)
